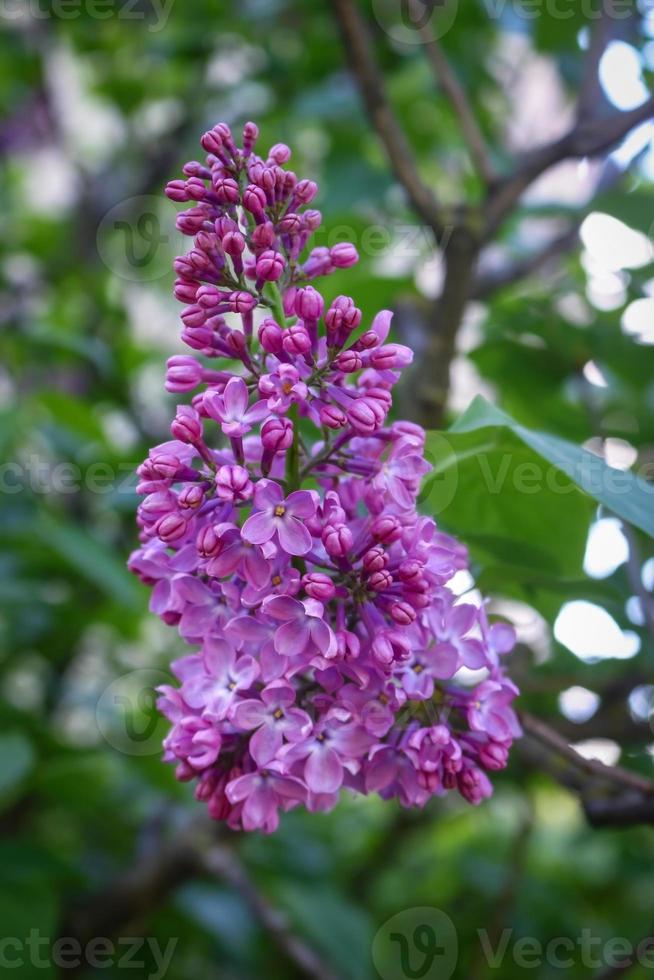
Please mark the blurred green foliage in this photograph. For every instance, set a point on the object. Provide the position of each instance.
(97, 115)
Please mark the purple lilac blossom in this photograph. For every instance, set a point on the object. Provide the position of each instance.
(329, 645)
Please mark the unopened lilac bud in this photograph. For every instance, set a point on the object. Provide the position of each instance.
(194, 316)
(164, 465)
(279, 153)
(380, 580)
(332, 417)
(319, 586)
(494, 755)
(183, 373)
(402, 613)
(185, 290)
(263, 238)
(242, 302)
(337, 539)
(186, 426)
(233, 484)
(386, 529)
(171, 527)
(367, 341)
(176, 191)
(343, 255)
(208, 542)
(212, 142)
(271, 336)
(309, 304)
(391, 356)
(196, 189)
(277, 434)
(208, 297)
(250, 137)
(254, 199)
(290, 224)
(411, 571)
(348, 645)
(305, 191)
(296, 340)
(270, 266)
(348, 361)
(375, 560)
(362, 416)
(191, 497)
(233, 243)
(312, 219)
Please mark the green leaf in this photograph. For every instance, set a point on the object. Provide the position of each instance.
(16, 762)
(622, 492)
(92, 558)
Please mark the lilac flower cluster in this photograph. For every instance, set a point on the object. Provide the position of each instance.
(329, 642)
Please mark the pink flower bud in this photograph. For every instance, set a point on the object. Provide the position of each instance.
(296, 340)
(332, 417)
(191, 497)
(186, 426)
(402, 613)
(363, 417)
(270, 265)
(263, 237)
(196, 189)
(212, 142)
(271, 336)
(337, 539)
(176, 191)
(185, 290)
(234, 243)
(381, 580)
(183, 373)
(208, 297)
(319, 586)
(290, 224)
(411, 571)
(348, 361)
(367, 341)
(254, 199)
(309, 304)
(227, 190)
(208, 542)
(250, 136)
(277, 434)
(391, 356)
(348, 645)
(194, 316)
(344, 255)
(312, 220)
(164, 465)
(386, 529)
(494, 755)
(233, 484)
(242, 302)
(375, 560)
(305, 191)
(279, 153)
(171, 527)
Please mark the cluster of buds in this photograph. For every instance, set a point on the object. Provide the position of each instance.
(329, 650)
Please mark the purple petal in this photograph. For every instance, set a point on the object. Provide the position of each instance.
(241, 787)
(259, 528)
(265, 744)
(323, 771)
(283, 607)
(268, 494)
(291, 639)
(381, 325)
(256, 568)
(249, 714)
(259, 808)
(301, 503)
(235, 398)
(294, 537)
(473, 654)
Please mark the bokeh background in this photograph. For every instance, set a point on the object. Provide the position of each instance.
(101, 105)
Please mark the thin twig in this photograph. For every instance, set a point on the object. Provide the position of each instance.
(221, 862)
(447, 79)
(361, 55)
(541, 731)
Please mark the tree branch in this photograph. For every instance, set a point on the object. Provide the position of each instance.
(448, 81)
(486, 284)
(363, 62)
(587, 138)
(221, 862)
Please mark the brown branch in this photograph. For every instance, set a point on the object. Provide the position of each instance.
(626, 810)
(634, 572)
(591, 96)
(550, 738)
(486, 284)
(587, 138)
(363, 62)
(448, 81)
(219, 861)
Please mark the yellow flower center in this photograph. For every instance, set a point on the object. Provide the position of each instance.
(280, 510)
